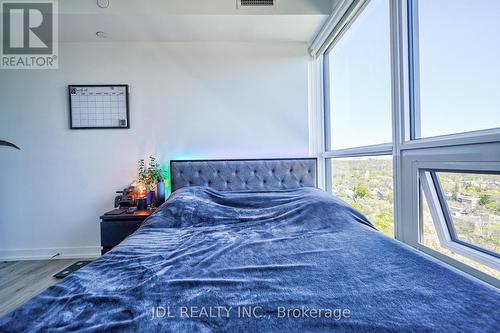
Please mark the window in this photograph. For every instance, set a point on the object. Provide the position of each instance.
(456, 56)
(359, 81)
(452, 84)
(430, 239)
(452, 87)
(366, 184)
(414, 84)
(358, 114)
(464, 206)
(473, 204)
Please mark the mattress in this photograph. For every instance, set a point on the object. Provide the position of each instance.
(295, 260)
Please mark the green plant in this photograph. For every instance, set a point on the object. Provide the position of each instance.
(142, 172)
(155, 172)
(361, 191)
(493, 207)
(152, 174)
(484, 199)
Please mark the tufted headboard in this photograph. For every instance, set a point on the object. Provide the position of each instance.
(254, 174)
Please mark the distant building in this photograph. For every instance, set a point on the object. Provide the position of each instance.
(468, 200)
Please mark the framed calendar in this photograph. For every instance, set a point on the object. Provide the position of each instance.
(99, 106)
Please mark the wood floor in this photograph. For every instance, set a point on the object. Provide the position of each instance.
(22, 280)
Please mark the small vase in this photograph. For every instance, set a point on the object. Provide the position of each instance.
(150, 198)
(160, 190)
(142, 204)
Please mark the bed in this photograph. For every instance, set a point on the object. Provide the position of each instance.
(254, 246)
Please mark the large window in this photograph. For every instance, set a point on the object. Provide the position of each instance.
(453, 84)
(456, 61)
(412, 123)
(358, 117)
(359, 81)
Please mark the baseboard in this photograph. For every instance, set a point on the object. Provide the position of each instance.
(47, 253)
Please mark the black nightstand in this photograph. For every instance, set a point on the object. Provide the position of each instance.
(115, 228)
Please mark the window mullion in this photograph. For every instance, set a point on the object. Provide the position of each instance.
(435, 207)
(414, 71)
(375, 150)
(443, 205)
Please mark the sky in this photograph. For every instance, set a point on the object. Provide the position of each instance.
(459, 58)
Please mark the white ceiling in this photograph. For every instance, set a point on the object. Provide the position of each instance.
(191, 20)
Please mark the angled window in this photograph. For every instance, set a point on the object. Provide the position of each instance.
(430, 239)
(473, 205)
(465, 210)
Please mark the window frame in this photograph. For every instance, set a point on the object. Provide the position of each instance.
(461, 158)
(450, 224)
(450, 149)
(441, 217)
(413, 149)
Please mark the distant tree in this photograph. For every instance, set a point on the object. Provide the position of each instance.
(484, 199)
(472, 190)
(361, 191)
(493, 206)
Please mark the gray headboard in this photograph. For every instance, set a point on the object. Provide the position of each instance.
(255, 174)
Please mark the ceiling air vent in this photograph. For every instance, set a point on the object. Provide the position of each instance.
(250, 4)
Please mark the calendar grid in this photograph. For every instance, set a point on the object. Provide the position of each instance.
(98, 106)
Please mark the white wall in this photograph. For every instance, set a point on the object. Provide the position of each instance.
(188, 100)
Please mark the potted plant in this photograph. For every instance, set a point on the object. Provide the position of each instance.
(156, 177)
(153, 177)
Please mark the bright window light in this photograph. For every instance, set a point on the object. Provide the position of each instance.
(359, 81)
(458, 55)
(366, 183)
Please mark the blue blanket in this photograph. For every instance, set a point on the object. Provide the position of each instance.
(286, 261)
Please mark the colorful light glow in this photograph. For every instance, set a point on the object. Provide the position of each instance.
(140, 190)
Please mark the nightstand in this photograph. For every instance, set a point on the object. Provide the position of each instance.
(115, 228)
